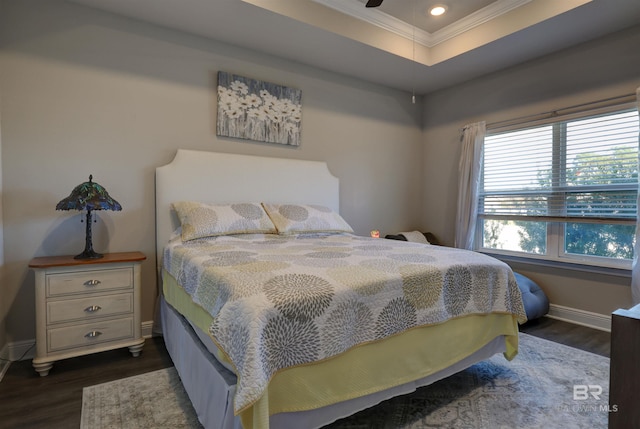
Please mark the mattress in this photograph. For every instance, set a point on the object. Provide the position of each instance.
(356, 306)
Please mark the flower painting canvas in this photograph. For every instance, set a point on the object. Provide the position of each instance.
(255, 110)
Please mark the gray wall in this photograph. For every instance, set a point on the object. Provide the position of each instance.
(604, 68)
(86, 92)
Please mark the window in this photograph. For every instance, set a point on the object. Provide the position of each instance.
(564, 190)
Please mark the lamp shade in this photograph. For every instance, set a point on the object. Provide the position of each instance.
(88, 196)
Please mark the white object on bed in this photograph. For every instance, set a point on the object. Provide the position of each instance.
(415, 236)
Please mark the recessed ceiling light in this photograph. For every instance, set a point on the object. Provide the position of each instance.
(438, 10)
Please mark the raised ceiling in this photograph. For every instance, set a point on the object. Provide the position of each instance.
(417, 11)
(397, 45)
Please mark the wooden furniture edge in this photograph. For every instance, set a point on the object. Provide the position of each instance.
(624, 372)
(68, 261)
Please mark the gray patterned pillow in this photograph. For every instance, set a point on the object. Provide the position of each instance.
(201, 220)
(297, 218)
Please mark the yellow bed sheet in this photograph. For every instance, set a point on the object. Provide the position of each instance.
(364, 369)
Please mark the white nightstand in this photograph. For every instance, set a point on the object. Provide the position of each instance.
(86, 306)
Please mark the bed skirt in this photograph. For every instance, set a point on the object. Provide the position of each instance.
(211, 387)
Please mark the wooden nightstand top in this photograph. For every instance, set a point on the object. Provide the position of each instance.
(68, 261)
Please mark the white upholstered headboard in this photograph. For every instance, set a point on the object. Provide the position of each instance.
(229, 178)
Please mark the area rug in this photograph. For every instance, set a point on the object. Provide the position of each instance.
(547, 385)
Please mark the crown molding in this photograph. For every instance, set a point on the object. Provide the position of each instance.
(378, 18)
(404, 29)
(486, 14)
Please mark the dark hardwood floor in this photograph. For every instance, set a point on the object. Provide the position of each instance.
(570, 334)
(55, 401)
(30, 401)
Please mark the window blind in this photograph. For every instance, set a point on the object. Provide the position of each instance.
(583, 170)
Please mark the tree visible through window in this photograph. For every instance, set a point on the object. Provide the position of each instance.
(565, 190)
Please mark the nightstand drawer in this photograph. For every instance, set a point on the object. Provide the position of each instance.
(89, 281)
(89, 308)
(89, 333)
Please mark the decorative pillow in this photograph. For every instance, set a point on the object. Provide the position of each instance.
(296, 218)
(199, 220)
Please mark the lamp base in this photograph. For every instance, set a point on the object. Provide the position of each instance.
(88, 254)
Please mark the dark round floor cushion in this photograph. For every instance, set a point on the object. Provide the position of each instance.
(536, 303)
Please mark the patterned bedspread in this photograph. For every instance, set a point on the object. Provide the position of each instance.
(280, 301)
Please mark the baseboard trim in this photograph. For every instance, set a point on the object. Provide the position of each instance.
(147, 329)
(589, 319)
(22, 350)
(5, 362)
(12, 352)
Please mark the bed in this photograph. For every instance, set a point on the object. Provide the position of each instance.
(296, 321)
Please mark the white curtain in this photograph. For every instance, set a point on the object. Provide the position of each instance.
(635, 273)
(469, 180)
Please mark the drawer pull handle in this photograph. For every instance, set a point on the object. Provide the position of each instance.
(92, 283)
(92, 308)
(93, 334)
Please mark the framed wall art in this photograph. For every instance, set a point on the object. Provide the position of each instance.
(256, 110)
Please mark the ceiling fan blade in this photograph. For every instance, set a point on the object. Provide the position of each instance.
(374, 3)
